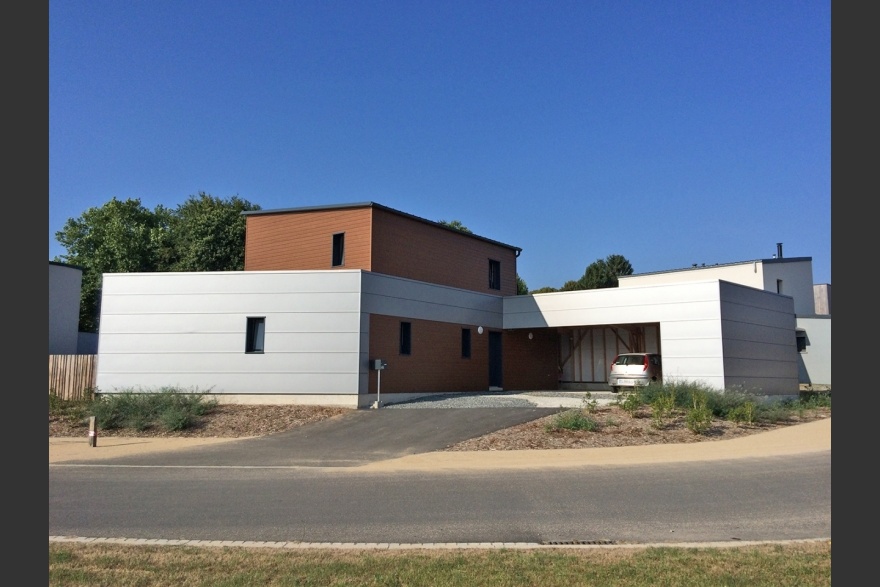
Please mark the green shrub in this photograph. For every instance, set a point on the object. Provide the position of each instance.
(176, 418)
(591, 405)
(572, 420)
(662, 408)
(169, 408)
(815, 399)
(699, 416)
(631, 403)
(744, 413)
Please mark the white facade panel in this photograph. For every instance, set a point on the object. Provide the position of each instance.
(792, 277)
(405, 298)
(299, 322)
(239, 384)
(229, 342)
(228, 282)
(217, 365)
(609, 306)
(189, 330)
(225, 303)
(750, 274)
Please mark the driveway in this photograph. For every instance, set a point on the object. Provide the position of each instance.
(349, 440)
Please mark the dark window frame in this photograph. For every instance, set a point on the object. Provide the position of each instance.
(406, 338)
(255, 337)
(466, 343)
(494, 274)
(338, 259)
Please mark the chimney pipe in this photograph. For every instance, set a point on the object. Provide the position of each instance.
(778, 250)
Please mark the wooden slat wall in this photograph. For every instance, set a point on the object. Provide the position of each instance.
(72, 376)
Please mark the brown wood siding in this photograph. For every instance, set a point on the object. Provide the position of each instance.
(72, 377)
(531, 364)
(435, 365)
(304, 240)
(405, 247)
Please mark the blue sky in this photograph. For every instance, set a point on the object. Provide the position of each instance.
(671, 133)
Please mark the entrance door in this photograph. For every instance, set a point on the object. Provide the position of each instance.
(495, 360)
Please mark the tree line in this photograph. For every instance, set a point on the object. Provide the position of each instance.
(204, 233)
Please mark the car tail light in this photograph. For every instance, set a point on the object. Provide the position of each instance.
(614, 362)
(645, 365)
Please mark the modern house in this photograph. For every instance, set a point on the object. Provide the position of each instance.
(65, 283)
(329, 292)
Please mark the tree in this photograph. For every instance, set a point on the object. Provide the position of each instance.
(119, 237)
(202, 234)
(603, 273)
(207, 233)
(545, 289)
(521, 287)
(456, 224)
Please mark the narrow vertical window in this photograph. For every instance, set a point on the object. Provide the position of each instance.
(494, 274)
(256, 334)
(339, 249)
(801, 342)
(779, 286)
(405, 338)
(465, 343)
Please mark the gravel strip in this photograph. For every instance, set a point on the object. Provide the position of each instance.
(476, 400)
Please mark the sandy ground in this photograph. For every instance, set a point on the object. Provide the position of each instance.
(809, 437)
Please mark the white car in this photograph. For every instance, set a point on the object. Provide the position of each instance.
(635, 369)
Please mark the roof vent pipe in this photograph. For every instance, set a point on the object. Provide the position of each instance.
(778, 250)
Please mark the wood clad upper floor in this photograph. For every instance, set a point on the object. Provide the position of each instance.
(375, 238)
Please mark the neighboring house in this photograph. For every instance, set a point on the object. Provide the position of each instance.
(65, 282)
(65, 285)
(328, 290)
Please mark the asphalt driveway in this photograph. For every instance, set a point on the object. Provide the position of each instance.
(349, 440)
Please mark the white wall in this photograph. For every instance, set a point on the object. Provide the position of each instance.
(65, 283)
(760, 346)
(405, 298)
(187, 330)
(796, 274)
(699, 323)
(815, 362)
(750, 273)
(797, 282)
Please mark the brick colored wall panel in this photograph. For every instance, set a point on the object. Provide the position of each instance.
(416, 250)
(304, 240)
(435, 365)
(531, 364)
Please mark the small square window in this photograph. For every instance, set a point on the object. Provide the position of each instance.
(339, 249)
(494, 274)
(405, 338)
(465, 343)
(802, 342)
(256, 334)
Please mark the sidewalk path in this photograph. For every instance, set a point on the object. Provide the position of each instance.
(801, 438)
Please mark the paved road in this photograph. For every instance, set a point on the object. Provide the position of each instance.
(291, 489)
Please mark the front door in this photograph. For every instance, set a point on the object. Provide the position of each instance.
(495, 360)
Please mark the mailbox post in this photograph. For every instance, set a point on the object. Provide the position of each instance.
(378, 365)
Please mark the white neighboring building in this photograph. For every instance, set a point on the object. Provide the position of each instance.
(65, 283)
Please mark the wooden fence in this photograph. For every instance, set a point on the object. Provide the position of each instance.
(72, 376)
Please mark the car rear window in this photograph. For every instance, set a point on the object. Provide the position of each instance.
(630, 360)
